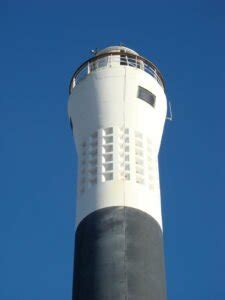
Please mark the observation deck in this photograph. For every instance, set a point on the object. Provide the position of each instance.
(114, 56)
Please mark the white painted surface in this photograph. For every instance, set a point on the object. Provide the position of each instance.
(116, 49)
(107, 98)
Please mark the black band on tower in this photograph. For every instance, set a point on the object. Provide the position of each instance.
(119, 256)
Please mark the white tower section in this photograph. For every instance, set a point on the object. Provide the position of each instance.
(117, 107)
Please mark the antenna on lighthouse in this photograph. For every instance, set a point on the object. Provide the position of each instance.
(94, 51)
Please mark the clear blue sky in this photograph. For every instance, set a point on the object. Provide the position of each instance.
(42, 42)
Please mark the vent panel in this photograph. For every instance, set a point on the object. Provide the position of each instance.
(117, 153)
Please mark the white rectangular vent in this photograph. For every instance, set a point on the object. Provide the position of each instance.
(124, 153)
(139, 158)
(107, 154)
(89, 153)
(117, 153)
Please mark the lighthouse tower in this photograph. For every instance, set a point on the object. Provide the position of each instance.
(117, 109)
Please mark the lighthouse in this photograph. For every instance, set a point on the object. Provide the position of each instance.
(117, 109)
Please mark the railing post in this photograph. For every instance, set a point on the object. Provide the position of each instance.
(88, 68)
(170, 117)
(136, 61)
(73, 82)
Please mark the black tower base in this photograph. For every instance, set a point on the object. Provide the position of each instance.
(119, 256)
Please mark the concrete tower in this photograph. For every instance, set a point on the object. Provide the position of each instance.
(117, 109)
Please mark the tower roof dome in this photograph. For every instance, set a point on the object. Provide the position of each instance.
(116, 49)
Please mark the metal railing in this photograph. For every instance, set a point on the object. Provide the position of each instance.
(115, 59)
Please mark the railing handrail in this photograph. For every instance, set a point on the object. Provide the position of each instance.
(129, 55)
